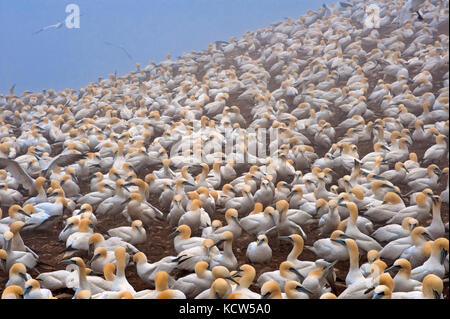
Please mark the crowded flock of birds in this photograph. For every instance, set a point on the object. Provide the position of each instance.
(325, 85)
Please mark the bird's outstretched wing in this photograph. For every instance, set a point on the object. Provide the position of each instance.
(120, 47)
(62, 160)
(18, 172)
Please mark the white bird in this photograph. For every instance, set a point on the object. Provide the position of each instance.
(120, 282)
(33, 290)
(227, 257)
(182, 238)
(392, 232)
(135, 234)
(147, 272)
(246, 274)
(363, 241)
(402, 280)
(435, 263)
(193, 284)
(259, 251)
(329, 249)
(286, 273)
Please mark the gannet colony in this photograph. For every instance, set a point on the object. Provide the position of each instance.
(305, 160)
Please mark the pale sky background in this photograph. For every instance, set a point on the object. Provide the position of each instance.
(148, 29)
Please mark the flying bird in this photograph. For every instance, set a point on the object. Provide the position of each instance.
(120, 47)
(49, 27)
(53, 26)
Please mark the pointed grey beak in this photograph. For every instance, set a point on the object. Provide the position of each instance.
(303, 289)
(109, 187)
(339, 241)
(130, 184)
(434, 199)
(23, 212)
(295, 271)
(369, 290)
(27, 290)
(67, 227)
(443, 255)
(232, 279)
(427, 236)
(133, 169)
(266, 295)
(349, 184)
(188, 183)
(393, 268)
(237, 273)
(436, 294)
(174, 234)
(94, 258)
(74, 177)
(126, 201)
(378, 295)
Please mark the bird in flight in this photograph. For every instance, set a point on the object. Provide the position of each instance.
(120, 47)
(49, 27)
(53, 26)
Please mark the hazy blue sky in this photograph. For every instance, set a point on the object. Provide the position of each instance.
(148, 29)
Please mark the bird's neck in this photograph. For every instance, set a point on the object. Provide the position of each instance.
(228, 248)
(295, 252)
(354, 260)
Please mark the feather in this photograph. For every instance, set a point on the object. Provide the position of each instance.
(17, 172)
(62, 160)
